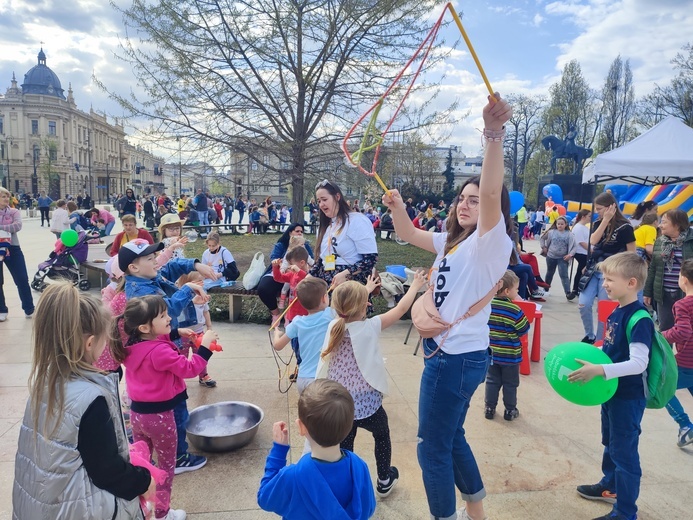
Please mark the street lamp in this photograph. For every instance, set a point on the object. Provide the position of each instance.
(180, 169)
(91, 180)
(9, 142)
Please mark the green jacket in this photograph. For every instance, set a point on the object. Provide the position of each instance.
(655, 273)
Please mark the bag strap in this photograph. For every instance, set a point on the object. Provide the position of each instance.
(638, 315)
(474, 309)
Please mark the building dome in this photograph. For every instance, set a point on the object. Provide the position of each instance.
(42, 80)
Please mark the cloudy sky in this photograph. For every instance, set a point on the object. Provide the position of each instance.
(523, 46)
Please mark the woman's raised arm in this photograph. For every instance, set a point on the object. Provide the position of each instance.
(492, 171)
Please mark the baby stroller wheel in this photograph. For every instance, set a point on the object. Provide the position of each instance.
(84, 285)
(38, 285)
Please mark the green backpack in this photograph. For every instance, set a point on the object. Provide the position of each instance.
(662, 371)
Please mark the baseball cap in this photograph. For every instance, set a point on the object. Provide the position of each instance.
(135, 249)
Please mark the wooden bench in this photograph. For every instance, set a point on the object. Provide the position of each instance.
(236, 293)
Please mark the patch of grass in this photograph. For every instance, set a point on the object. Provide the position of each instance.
(244, 247)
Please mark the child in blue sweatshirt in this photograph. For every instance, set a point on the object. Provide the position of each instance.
(143, 277)
(328, 483)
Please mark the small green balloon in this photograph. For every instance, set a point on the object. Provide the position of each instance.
(560, 362)
(69, 237)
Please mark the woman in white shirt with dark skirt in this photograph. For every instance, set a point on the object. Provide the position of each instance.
(472, 258)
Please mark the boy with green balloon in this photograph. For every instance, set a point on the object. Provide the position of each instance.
(624, 275)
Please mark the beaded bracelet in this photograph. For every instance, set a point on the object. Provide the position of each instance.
(494, 136)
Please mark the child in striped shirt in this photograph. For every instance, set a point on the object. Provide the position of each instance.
(507, 324)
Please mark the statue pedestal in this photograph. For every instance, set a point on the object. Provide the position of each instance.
(571, 185)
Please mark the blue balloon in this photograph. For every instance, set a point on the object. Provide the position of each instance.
(517, 200)
(554, 191)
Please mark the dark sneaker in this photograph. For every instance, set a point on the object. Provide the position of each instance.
(571, 296)
(510, 415)
(589, 339)
(489, 413)
(189, 462)
(614, 515)
(208, 382)
(385, 489)
(685, 437)
(597, 492)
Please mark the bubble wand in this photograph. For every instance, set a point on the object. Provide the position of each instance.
(372, 138)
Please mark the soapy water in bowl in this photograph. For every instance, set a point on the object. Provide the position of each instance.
(222, 426)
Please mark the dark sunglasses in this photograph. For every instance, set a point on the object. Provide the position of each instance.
(323, 183)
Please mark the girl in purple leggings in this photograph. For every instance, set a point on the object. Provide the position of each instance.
(155, 373)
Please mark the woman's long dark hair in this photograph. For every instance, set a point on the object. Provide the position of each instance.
(342, 212)
(642, 207)
(286, 236)
(606, 199)
(457, 234)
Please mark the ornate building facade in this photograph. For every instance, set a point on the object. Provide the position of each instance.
(49, 145)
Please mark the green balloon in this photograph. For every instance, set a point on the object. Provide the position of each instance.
(560, 362)
(69, 237)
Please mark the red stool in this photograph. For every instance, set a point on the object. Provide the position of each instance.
(604, 310)
(530, 311)
(536, 337)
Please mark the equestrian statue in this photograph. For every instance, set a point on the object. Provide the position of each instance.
(567, 149)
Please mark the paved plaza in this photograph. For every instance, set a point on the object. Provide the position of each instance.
(530, 466)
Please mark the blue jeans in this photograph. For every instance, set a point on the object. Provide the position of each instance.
(526, 276)
(180, 414)
(621, 462)
(593, 290)
(446, 459)
(240, 216)
(674, 406)
(17, 267)
(109, 227)
(204, 220)
(228, 214)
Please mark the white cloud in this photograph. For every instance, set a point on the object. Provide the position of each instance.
(537, 20)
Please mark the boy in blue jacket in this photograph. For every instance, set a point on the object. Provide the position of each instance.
(142, 277)
(327, 483)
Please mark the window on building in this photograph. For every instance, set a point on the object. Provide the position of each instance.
(52, 128)
(53, 154)
(34, 126)
(2, 126)
(439, 187)
(2, 152)
(349, 190)
(253, 165)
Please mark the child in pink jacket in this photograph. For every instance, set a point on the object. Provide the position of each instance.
(155, 374)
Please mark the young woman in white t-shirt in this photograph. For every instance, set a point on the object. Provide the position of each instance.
(346, 248)
(472, 257)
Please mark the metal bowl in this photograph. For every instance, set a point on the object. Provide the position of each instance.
(224, 426)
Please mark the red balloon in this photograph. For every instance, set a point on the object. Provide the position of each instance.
(561, 209)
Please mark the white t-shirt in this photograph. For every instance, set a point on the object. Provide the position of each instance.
(539, 217)
(217, 259)
(464, 277)
(200, 313)
(582, 234)
(350, 243)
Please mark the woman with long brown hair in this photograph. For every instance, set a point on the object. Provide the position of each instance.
(472, 256)
(612, 234)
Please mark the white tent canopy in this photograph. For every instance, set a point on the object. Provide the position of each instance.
(662, 155)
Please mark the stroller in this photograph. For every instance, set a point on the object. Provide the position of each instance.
(63, 264)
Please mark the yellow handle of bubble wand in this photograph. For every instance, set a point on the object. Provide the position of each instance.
(382, 184)
(471, 50)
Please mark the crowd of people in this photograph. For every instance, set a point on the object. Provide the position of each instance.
(72, 459)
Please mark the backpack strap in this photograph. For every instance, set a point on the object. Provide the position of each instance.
(638, 315)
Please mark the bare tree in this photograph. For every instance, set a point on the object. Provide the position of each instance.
(618, 107)
(268, 78)
(522, 135)
(675, 99)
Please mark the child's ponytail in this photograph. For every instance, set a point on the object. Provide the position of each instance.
(349, 301)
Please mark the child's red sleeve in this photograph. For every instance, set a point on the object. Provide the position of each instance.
(682, 331)
(279, 276)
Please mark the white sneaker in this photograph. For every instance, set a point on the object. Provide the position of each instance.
(462, 515)
(3, 316)
(685, 437)
(175, 514)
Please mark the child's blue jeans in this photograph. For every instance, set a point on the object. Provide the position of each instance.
(446, 459)
(180, 414)
(674, 406)
(621, 462)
